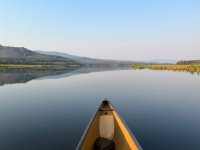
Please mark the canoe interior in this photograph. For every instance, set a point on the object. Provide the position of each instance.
(122, 137)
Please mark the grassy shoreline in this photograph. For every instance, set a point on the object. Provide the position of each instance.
(184, 68)
(23, 66)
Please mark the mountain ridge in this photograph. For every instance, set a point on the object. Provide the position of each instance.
(21, 55)
(87, 61)
(24, 55)
(13, 52)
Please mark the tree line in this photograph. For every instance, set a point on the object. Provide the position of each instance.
(188, 62)
(33, 60)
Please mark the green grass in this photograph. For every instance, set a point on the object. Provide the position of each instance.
(186, 68)
(22, 66)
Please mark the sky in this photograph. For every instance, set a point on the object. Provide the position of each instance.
(114, 29)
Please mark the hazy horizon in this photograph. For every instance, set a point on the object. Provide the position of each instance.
(126, 30)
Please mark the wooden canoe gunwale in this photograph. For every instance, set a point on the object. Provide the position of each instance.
(86, 130)
(129, 130)
(134, 140)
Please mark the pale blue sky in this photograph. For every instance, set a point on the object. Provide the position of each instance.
(125, 29)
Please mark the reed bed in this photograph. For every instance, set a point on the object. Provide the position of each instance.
(187, 68)
(19, 66)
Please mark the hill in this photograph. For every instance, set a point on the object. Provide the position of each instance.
(15, 52)
(86, 61)
(21, 55)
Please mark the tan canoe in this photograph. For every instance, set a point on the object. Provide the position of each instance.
(106, 123)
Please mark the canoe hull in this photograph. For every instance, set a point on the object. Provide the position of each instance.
(123, 138)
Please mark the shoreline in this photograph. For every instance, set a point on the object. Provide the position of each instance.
(30, 66)
(178, 68)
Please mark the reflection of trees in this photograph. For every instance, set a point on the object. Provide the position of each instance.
(194, 73)
(11, 76)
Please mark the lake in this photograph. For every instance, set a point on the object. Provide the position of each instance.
(41, 112)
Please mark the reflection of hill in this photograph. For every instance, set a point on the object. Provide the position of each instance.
(11, 76)
(85, 70)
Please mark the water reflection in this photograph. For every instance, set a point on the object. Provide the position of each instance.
(12, 76)
(161, 108)
(194, 73)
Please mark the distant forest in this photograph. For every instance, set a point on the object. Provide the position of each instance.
(188, 62)
(45, 60)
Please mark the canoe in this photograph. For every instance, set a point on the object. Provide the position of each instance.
(106, 128)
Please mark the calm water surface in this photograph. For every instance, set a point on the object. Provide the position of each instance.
(161, 108)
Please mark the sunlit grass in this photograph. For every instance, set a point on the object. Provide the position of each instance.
(22, 66)
(188, 68)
